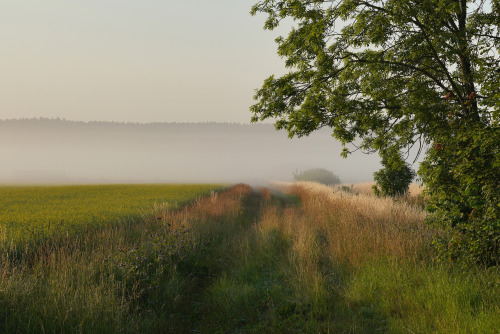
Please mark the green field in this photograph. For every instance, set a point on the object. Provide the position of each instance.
(29, 213)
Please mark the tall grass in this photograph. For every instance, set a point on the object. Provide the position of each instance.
(76, 282)
(365, 188)
(372, 256)
(305, 259)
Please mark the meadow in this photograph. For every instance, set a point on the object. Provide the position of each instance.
(33, 213)
(295, 258)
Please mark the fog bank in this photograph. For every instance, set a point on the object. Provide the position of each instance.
(59, 151)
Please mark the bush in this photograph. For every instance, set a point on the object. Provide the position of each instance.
(319, 175)
(394, 179)
(462, 177)
(145, 268)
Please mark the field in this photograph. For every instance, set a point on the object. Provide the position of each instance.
(33, 213)
(295, 258)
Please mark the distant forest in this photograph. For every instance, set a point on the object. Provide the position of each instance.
(57, 150)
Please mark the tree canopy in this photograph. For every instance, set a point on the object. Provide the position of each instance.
(319, 175)
(393, 180)
(392, 75)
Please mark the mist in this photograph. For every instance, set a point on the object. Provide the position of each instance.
(59, 151)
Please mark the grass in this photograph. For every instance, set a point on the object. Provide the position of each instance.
(75, 283)
(34, 213)
(305, 259)
(427, 298)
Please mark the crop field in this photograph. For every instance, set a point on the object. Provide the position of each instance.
(33, 213)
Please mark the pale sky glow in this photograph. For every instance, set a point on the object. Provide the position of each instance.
(133, 60)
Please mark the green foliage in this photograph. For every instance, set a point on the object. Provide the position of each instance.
(319, 175)
(393, 180)
(347, 189)
(146, 266)
(397, 75)
(463, 181)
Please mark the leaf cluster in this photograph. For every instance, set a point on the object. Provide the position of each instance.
(380, 70)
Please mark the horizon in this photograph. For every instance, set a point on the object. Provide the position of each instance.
(130, 122)
(61, 151)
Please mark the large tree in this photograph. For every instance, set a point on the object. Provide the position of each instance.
(392, 75)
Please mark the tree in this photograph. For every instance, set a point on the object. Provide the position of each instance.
(396, 75)
(319, 175)
(463, 181)
(394, 179)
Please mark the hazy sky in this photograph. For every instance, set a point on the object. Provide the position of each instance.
(133, 60)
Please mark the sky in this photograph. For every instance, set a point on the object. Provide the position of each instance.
(133, 60)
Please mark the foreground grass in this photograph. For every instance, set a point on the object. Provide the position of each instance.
(310, 261)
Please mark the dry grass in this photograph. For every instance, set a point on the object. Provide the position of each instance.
(205, 209)
(330, 236)
(352, 227)
(365, 188)
(364, 200)
(363, 265)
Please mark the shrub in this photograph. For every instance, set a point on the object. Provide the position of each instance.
(462, 177)
(394, 179)
(319, 175)
(146, 266)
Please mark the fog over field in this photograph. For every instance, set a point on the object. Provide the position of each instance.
(59, 151)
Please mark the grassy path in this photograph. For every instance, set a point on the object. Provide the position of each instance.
(265, 275)
(303, 263)
(250, 261)
(241, 277)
